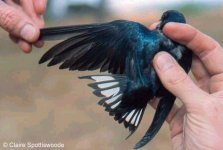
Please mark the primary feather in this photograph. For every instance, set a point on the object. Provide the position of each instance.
(125, 49)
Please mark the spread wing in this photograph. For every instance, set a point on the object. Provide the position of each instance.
(109, 46)
(117, 47)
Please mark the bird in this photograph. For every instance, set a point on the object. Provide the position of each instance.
(124, 50)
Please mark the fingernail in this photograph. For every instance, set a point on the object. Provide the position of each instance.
(164, 61)
(28, 32)
(39, 44)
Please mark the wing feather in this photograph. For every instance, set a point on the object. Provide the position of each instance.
(89, 47)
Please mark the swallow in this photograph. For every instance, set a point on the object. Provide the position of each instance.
(125, 50)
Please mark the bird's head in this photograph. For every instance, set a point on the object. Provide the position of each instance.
(171, 16)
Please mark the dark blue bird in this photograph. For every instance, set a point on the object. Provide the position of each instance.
(125, 49)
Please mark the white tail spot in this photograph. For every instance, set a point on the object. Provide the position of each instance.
(106, 85)
(102, 78)
(130, 115)
(134, 118)
(111, 100)
(115, 105)
(124, 115)
(110, 92)
(137, 121)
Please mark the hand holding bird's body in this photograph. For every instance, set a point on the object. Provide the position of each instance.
(198, 123)
(125, 49)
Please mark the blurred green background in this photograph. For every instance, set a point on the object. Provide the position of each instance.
(40, 104)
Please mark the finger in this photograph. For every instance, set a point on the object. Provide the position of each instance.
(154, 25)
(176, 80)
(199, 70)
(39, 44)
(216, 83)
(17, 23)
(28, 7)
(207, 49)
(40, 6)
(26, 47)
(200, 73)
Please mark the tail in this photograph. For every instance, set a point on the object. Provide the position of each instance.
(113, 89)
(164, 107)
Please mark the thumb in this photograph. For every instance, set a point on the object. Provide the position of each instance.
(17, 23)
(174, 79)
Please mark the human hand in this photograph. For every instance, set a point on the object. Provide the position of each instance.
(198, 123)
(23, 20)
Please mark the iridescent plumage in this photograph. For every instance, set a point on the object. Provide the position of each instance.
(125, 49)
